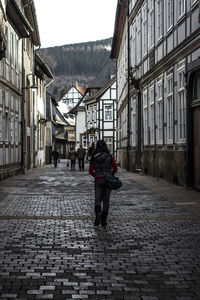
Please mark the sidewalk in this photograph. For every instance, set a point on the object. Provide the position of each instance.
(50, 248)
(188, 199)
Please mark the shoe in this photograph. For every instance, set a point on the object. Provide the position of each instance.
(98, 215)
(103, 218)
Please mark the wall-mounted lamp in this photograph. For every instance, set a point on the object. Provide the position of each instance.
(34, 85)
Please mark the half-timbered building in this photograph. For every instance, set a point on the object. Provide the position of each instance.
(101, 115)
(156, 44)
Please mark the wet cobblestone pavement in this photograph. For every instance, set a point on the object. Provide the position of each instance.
(50, 249)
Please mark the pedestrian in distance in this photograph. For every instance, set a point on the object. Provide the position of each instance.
(101, 162)
(81, 156)
(55, 155)
(72, 157)
(91, 150)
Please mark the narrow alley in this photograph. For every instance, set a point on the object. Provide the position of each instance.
(50, 248)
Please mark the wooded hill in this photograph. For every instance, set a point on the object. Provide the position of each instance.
(75, 62)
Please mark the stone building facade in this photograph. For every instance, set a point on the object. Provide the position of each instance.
(156, 44)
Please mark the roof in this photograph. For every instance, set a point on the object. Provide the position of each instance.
(104, 75)
(30, 11)
(45, 69)
(102, 90)
(120, 18)
(80, 89)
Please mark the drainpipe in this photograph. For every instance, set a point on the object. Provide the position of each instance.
(128, 82)
(22, 113)
(139, 135)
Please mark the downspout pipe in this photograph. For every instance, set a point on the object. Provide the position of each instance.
(22, 114)
(128, 87)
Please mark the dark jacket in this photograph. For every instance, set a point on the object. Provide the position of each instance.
(72, 155)
(81, 152)
(102, 163)
(55, 154)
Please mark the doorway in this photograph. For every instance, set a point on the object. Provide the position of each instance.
(196, 136)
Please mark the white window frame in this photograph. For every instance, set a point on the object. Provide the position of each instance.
(181, 8)
(138, 38)
(170, 10)
(151, 113)
(144, 30)
(17, 130)
(110, 111)
(145, 116)
(169, 109)
(159, 110)
(181, 105)
(12, 128)
(133, 44)
(151, 23)
(159, 19)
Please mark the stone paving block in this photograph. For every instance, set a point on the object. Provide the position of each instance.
(50, 248)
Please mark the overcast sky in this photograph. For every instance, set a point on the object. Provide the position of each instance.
(64, 22)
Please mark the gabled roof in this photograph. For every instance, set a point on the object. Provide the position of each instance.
(104, 75)
(80, 89)
(100, 92)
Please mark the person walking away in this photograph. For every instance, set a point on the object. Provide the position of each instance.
(55, 155)
(72, 157)
(91, 150)
(101, 162)
(81, 156)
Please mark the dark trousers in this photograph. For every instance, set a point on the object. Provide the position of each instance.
(55, 161)
(102, 194)
(73, 163)
(81, 163)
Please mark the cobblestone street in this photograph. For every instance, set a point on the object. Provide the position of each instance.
(50, 249)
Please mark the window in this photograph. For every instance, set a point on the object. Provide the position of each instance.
(133, 44)
(169, 14)
(169, 109)
(133, 122)
(138, 38)
(16, 130)
(151, 23)
(181, 106)
(144, 29)
(94, 116)
(108, 112)
(6, 128)
(151, 117)
(12, 129)
(160, 111)
(159, 19)
(181, 8)
(145, 117)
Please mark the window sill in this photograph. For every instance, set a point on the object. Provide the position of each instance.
(181, 18)
(194, 5)
(170, 30)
